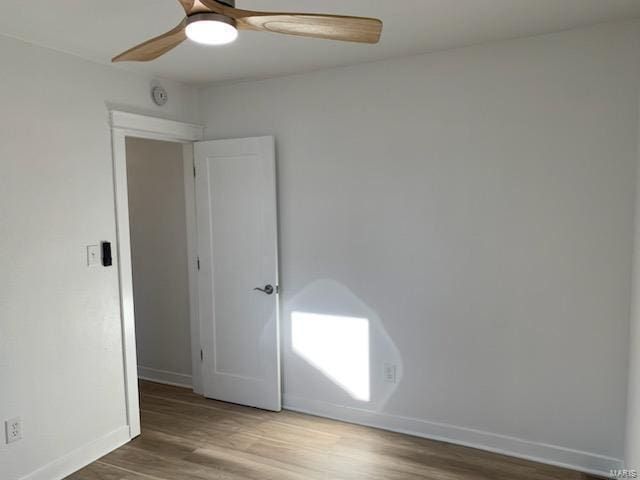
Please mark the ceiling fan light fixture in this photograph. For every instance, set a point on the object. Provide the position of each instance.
(211, 29)
(213, 22)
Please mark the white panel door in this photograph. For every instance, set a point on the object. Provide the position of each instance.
(238, 277)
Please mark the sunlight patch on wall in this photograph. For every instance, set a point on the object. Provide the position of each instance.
(337, 346)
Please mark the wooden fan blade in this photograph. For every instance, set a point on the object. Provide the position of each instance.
(217, 7)
(154, 48)
(187, 5)
(333, 27)
(192, 7)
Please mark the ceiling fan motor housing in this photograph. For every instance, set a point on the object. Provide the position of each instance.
(197, 17)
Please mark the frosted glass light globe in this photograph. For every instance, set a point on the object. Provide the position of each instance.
(211, 29)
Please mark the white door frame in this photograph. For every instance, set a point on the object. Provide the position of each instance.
(123, 125)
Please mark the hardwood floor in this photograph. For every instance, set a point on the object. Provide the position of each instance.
(186, 437)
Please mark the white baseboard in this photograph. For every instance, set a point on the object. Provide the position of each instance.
(515, 447)
(163, 376)
(83, 456)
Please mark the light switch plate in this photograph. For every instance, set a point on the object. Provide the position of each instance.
(93, 255)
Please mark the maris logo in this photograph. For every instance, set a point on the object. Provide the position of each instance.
(623, 473)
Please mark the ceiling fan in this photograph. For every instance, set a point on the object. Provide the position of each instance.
(216, 22)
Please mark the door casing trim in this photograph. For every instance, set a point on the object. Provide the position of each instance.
(123, 125)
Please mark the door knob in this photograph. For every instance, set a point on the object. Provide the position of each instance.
(268, 289)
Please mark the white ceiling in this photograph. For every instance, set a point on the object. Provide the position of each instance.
(98, 29)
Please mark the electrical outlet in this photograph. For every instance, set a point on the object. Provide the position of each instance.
(13, 430)
(389, 373)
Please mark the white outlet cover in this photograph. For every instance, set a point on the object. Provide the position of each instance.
(13, 430)
(93, 255)
(390, 373)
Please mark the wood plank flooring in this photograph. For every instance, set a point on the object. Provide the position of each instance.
(186, 437)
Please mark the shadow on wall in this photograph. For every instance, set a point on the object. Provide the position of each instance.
(333, 339)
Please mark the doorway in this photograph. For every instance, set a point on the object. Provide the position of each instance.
(173, 266)
(159, 259)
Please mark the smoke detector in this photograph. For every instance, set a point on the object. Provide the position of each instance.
(159, 95)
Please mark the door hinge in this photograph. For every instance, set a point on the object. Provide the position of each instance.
(198, 263)
(194, 171)
(201, 355)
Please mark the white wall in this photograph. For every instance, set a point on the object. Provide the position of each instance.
(60, 338)
(477, 207)
(155, 176)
